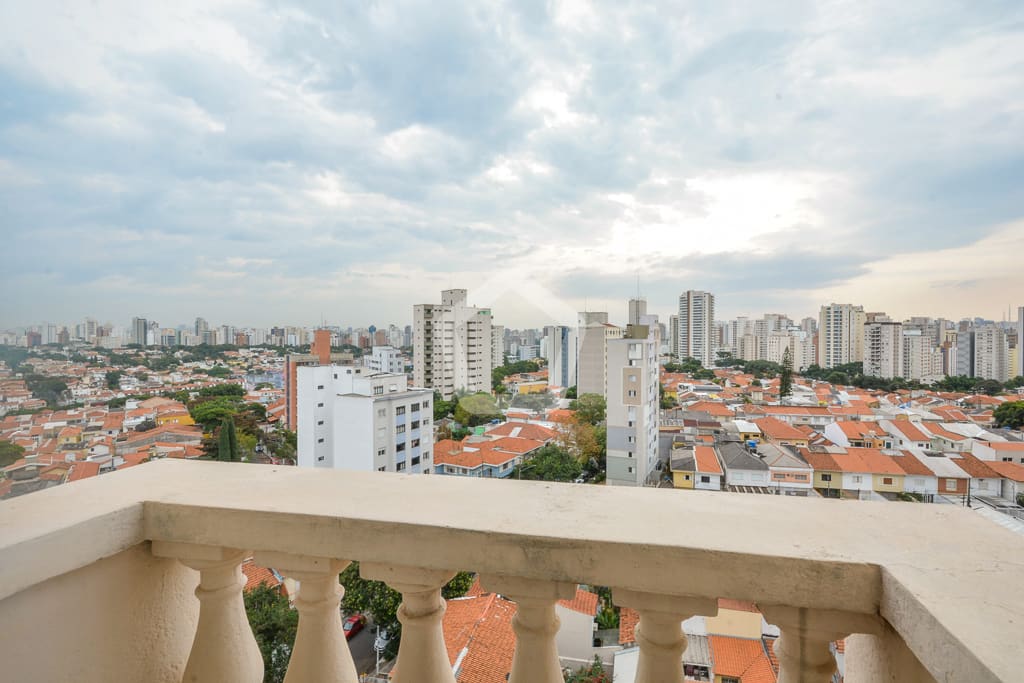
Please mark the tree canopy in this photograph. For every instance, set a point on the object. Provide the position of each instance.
(477, 409)
(550, 463)
(1010, 414)
(274, 623)
(9, 453)
(590, 408)
(502, 371)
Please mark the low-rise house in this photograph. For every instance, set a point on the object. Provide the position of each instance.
(952, 481)
(905, 434)
(945, 440)
(781, 433)
(742, 468)
(1011, 479)
(789, 474)
(985, 481)
(1000, 451)
(858, 434)
(696, 469)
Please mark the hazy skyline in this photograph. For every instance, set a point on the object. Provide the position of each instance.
(262, 163)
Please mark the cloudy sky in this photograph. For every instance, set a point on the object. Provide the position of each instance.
(268, 162)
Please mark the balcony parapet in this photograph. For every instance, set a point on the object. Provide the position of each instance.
(932, 587)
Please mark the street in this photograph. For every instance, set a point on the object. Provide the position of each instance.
(361, 647)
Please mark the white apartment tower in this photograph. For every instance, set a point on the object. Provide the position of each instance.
(840, 335)
(385, 359)
(350, 418)
(452, 345)
(991, 353)
(632, 405)
(497, 345)
(883, 349)
(696, 327)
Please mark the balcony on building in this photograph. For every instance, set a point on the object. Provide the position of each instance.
(135, 576)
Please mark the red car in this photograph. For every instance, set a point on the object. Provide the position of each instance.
(353, 625)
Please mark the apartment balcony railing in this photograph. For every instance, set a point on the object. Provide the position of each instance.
(97, 577)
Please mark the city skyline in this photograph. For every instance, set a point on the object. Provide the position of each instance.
(261, 163)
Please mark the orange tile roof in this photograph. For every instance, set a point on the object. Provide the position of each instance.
(84, 470)
(583, 602)
(628, 619)
(523, 430)
(737, 605)
(978, 469)
(711, 408)
(256, 575)
(909, 430)
(774, 428)
(1008, 470)
(1005, 445)
(742, 658)
(938, 430)
(478, 635)
(707, 461)
(911, 465)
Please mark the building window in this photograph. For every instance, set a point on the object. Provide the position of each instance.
(320, 459)
(416, 461)
(319, 386)
(951, 484)
(399, 448)
(983, 485)
(629, 470)
(705, 480)
(415, 443)
(382, 469)
(856, 479)
(826, 477)
(400, 429)
(415, 407)
(377, 391)
(400, 466)
(887, 481)
(632, 393)
(381, 412)
(381, 452)
(319, 405)
(400, 410)
(320, 422)
(335, 375)
(415, 424)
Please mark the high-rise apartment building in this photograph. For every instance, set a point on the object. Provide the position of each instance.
(922, 359)
(696, 327)
(673, 333)
(637, 309)
(592, 335)
(452, 345)
(560, 351)
(840, 335)
(632, 405)
(351, 418)
(385, 359)
(497, 345)
(1020, 341)
(883, 349)
(140, 331)
(991, 353)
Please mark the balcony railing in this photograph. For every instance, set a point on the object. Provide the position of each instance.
(96, 577)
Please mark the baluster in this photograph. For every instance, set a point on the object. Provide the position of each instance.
(422, 656)
(224, 649)
(803, 647)
(660, 632)
(321, 652)
(535, 624)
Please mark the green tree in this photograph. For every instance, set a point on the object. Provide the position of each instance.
(571, 392)
(477, 409)
(550, 463)
(9, 453)
(211, 411)
(223, 390)
(274, 623)
(589, 408)
(1010, 414)
(442, 408)
(990, 387)
(113, 379)
(227, 441)
(219, 371)
(145, 426)
(786, 376)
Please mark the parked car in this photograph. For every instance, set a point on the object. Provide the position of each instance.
(353, 625)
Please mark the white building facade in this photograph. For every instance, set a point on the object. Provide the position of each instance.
(696, 327)
(452, 345)
(632, 405)
(560, 351)
(385, 359)
(350, 418)
(883, 349)
(840, 335)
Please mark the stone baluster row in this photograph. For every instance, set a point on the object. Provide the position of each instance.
(225, 651)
